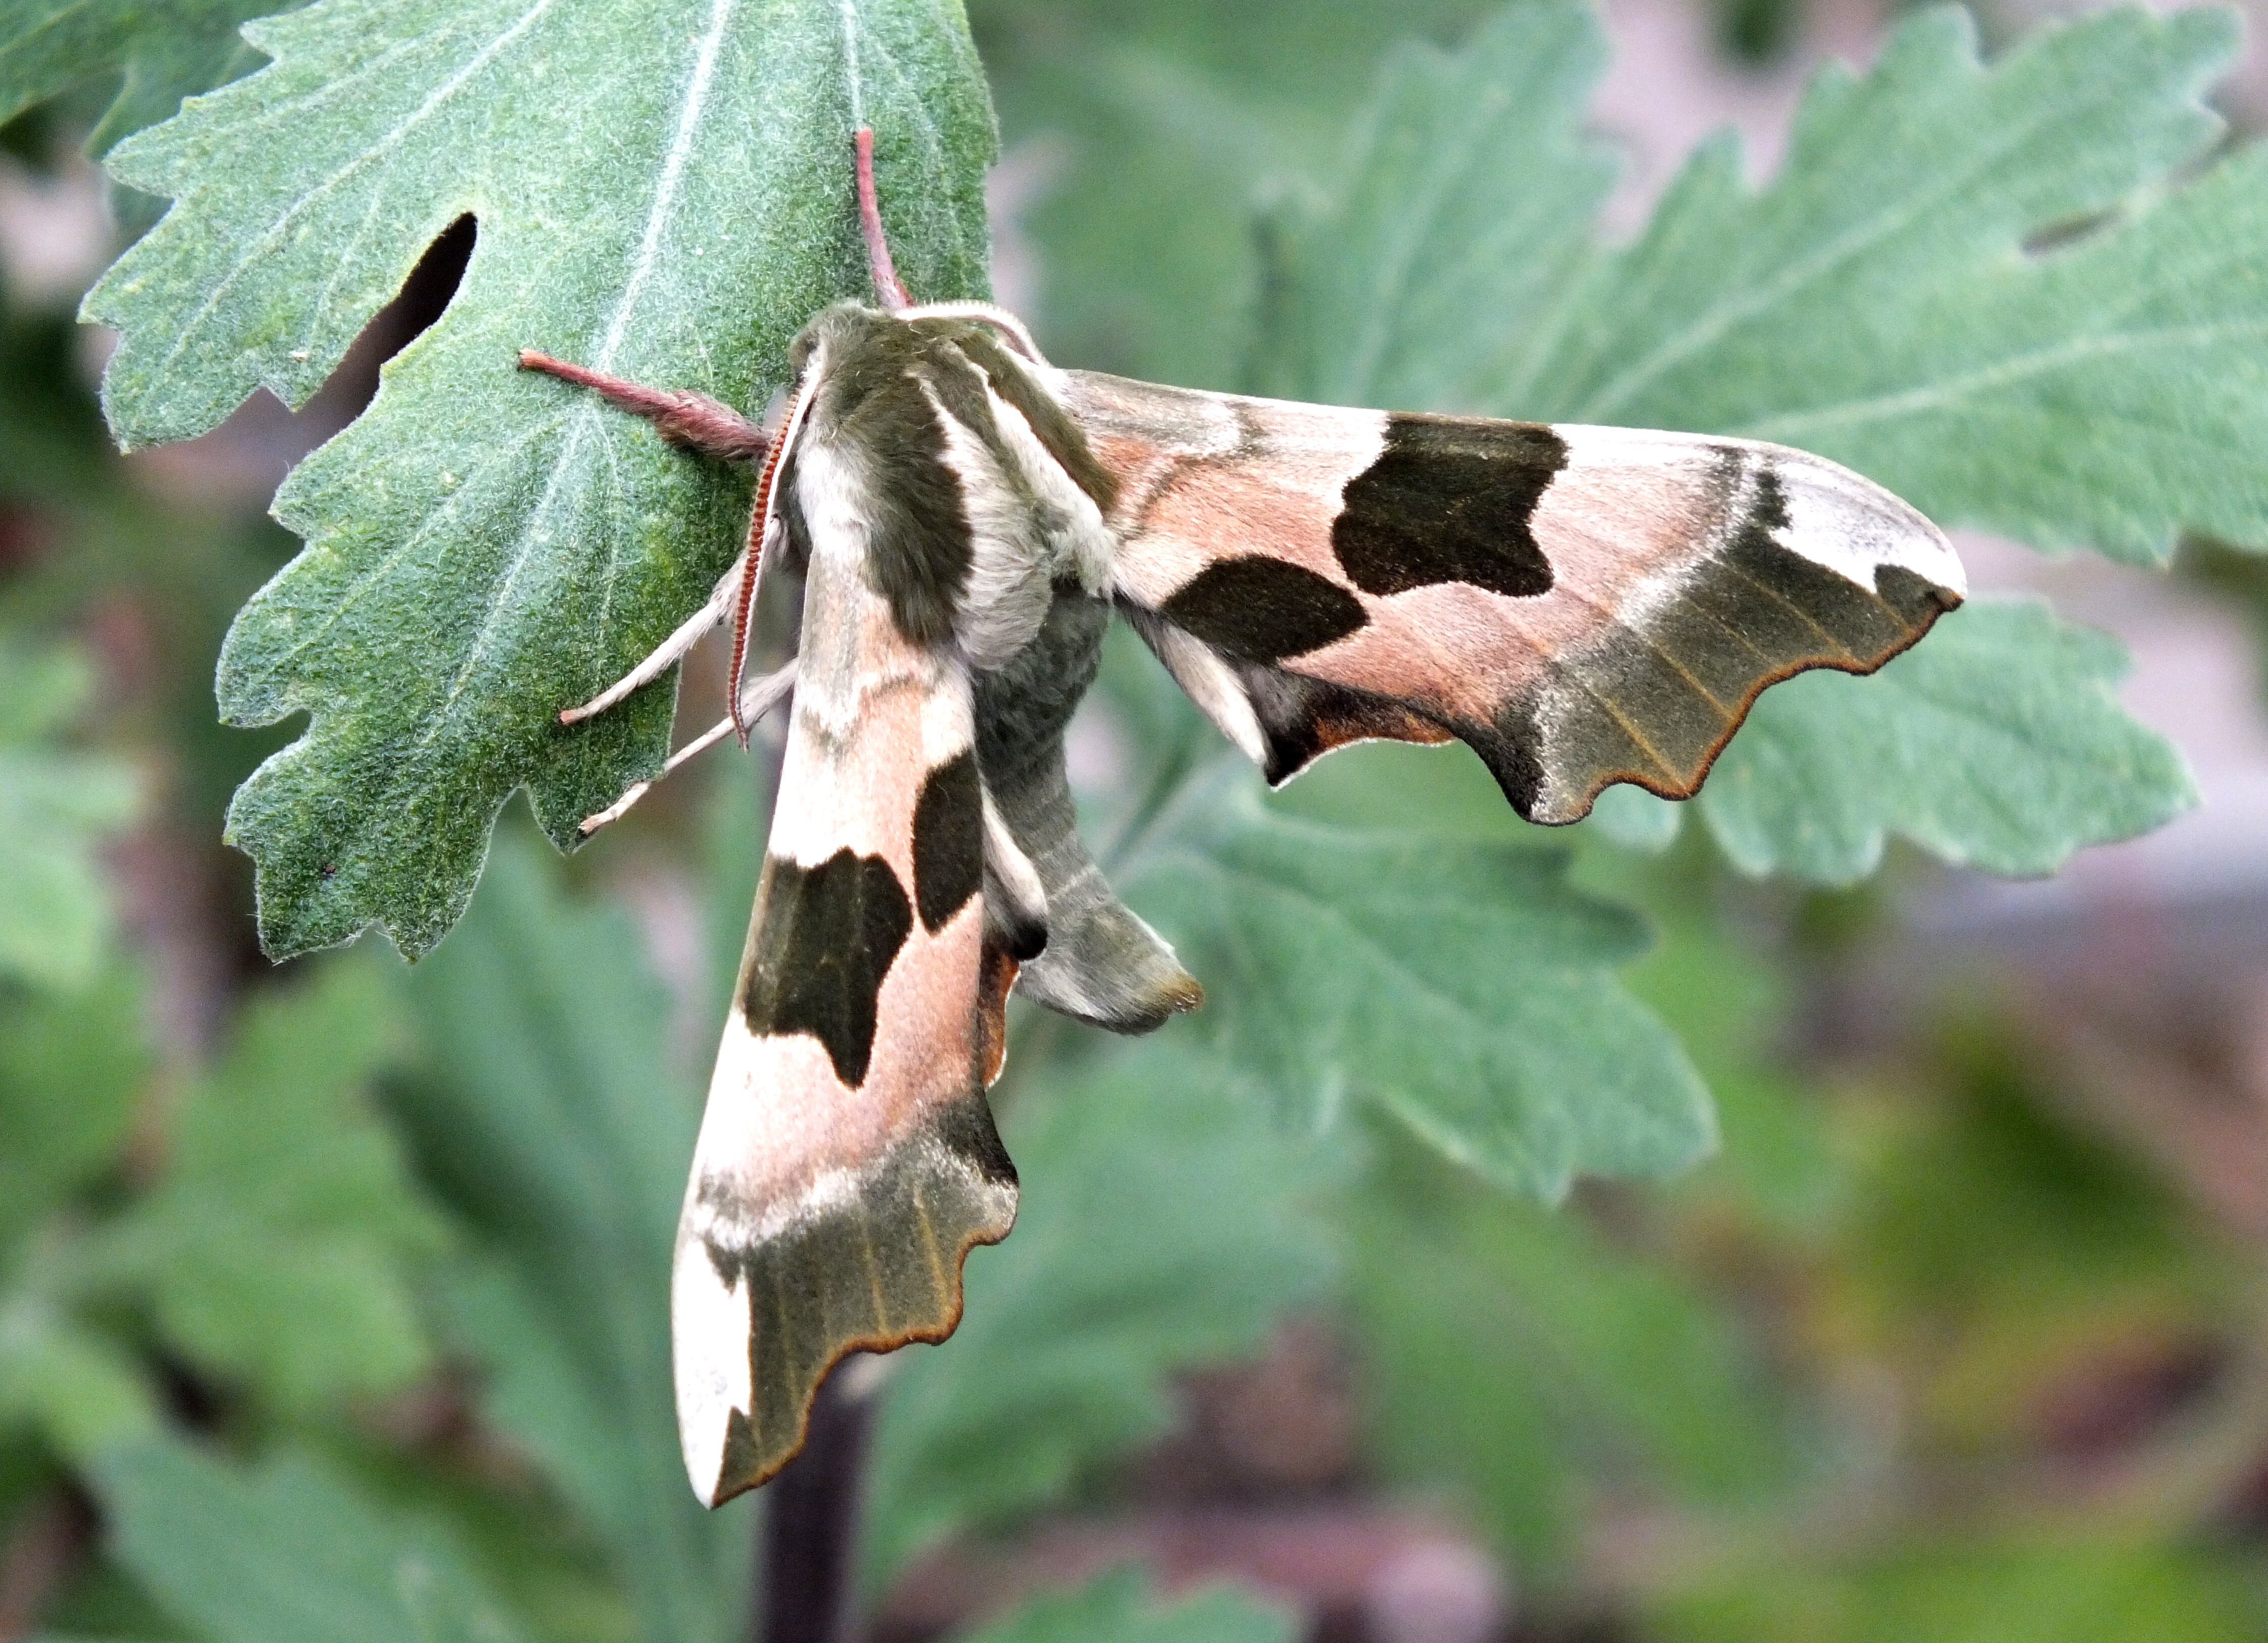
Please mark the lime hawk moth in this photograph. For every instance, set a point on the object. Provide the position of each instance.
(1579, 606)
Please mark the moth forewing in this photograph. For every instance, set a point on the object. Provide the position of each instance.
(846, 1161)
(1580, 605)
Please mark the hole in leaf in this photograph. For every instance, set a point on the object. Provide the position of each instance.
(242, 461)
(424, 297)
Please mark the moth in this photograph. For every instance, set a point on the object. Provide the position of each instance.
(1579, 606)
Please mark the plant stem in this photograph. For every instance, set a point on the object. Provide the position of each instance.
(811, 1517)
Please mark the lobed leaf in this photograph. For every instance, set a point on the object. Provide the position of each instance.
(1162, 1227)
(664, 193)
(1457, 983)
(1878, 303)
(1881, 302)
(1999, 743)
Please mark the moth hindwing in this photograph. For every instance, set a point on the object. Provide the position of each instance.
(1580, 606)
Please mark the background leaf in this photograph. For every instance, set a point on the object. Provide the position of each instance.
(1163, 1225)
(1517, 1357)
(2084, 1589)
(1152, 131)
(281, 1245)
(1457, 983)
(287, 1552)
(487, 546)
(1466, 172)
(1115, 1609)
(55, 806)
(167, 49)
(72, 1067)
(88, 1042)
(550, 1117)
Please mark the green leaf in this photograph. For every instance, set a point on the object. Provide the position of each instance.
(281, 1244)
(2107, 391)
(1458, 983)
(1732, 1010)
(168, 50)
(54, 807)
(1117, 1609)
(71, 1066)
(286, 1553)
(552, 1117)
(81, 1392)
(1164, 1224)
(1432, 229)
(1516, 1356)
(1998, 743)
(662, 191)
(1144, 134)
(2087, 1587)
(1876, 303)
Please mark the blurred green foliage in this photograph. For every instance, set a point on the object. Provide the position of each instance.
(345, 1308)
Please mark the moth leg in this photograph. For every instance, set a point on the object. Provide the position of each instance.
(671, 649)
(692, 421)
(758, 697)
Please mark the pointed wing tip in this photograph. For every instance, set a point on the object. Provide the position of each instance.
(744, 1459)
(765, 1307)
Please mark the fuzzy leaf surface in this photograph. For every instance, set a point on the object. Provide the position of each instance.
(1458, 983)
(1998, 743)
(660, 192)
(1164, 1225)
(1878, 303)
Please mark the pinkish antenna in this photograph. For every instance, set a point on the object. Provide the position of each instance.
(887, 291)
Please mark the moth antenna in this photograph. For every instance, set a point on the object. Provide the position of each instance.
(761, 519)
(887, 291)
